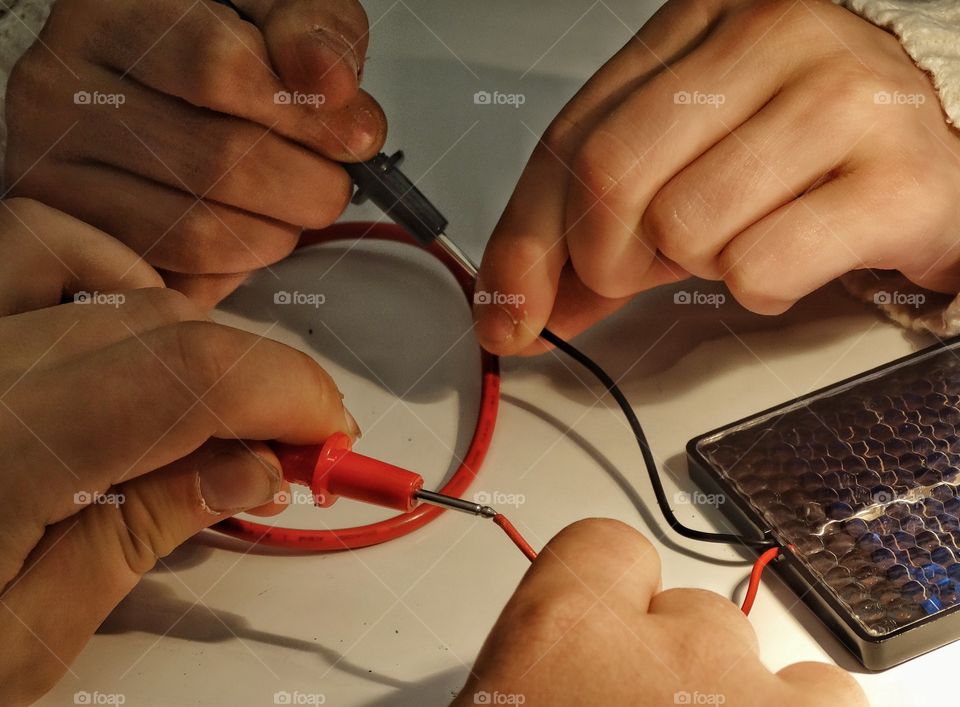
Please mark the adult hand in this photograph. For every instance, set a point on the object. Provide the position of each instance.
(771, 144)
(123, 417)
(589, 624)
(202, 141)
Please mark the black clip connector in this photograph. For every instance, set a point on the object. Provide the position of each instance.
(381, 181)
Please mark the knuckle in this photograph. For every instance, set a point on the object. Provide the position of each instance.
(757, 18)
(666, 225)
(228, 67)
(22, 211)
(749, 286)
(561, 136)
(841, 686)
(227, 243)
(610, 535)
(602, 167)
(589, 264)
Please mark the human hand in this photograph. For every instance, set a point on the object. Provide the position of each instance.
(589, 624)
(122, 428)
(203, 142)
(770, 144)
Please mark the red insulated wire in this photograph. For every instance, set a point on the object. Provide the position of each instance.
(399, 525)
(765, 559)
(515, 536)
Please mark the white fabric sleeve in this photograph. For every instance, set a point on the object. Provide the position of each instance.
(20, 23)
(929, 31)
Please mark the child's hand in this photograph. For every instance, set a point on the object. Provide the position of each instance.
(201, 141)
(122, 420)
(589, 625)
(772, 144)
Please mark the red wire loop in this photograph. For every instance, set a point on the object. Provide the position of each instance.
(399, 525)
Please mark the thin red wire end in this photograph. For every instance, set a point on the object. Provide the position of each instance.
(515, 536)
(765, 559)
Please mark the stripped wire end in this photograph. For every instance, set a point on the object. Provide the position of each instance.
(458, 504)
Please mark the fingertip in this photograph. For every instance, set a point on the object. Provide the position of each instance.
(495, 328)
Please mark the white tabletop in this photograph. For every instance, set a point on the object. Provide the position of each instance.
(399, 624)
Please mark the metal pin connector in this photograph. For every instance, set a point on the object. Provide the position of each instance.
(455, 252)
(456, 504)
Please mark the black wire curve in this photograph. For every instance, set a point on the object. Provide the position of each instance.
(648, 460)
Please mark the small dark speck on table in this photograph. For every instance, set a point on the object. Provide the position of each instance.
(310, 332)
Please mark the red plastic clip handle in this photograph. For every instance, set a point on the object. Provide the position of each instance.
(333, 470)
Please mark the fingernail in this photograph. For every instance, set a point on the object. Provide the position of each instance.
(249, 483)
(353, 429)
(367, 129)
(495, 325)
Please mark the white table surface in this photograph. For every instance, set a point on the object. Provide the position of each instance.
(399, 624)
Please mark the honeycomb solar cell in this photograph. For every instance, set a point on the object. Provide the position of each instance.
(863, 482)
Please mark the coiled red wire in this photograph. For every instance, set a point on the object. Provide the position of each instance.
(404, 523)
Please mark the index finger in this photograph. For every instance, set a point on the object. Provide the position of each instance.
(527, 250)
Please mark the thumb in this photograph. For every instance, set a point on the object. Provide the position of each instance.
(86, 564)
(317, 46)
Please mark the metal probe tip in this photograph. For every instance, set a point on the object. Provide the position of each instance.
(456, 504)
(454, 251)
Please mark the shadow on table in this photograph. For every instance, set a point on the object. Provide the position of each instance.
(153, 608)
(640, 344)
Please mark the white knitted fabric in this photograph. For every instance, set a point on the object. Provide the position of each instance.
(930, 33)
(20, 23)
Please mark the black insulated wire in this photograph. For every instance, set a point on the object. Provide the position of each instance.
(650, 463)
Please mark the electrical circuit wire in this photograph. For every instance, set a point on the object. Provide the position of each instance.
(404, 523)
(765, 559)
(515, 536)
(362, 536)
(650, 463)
